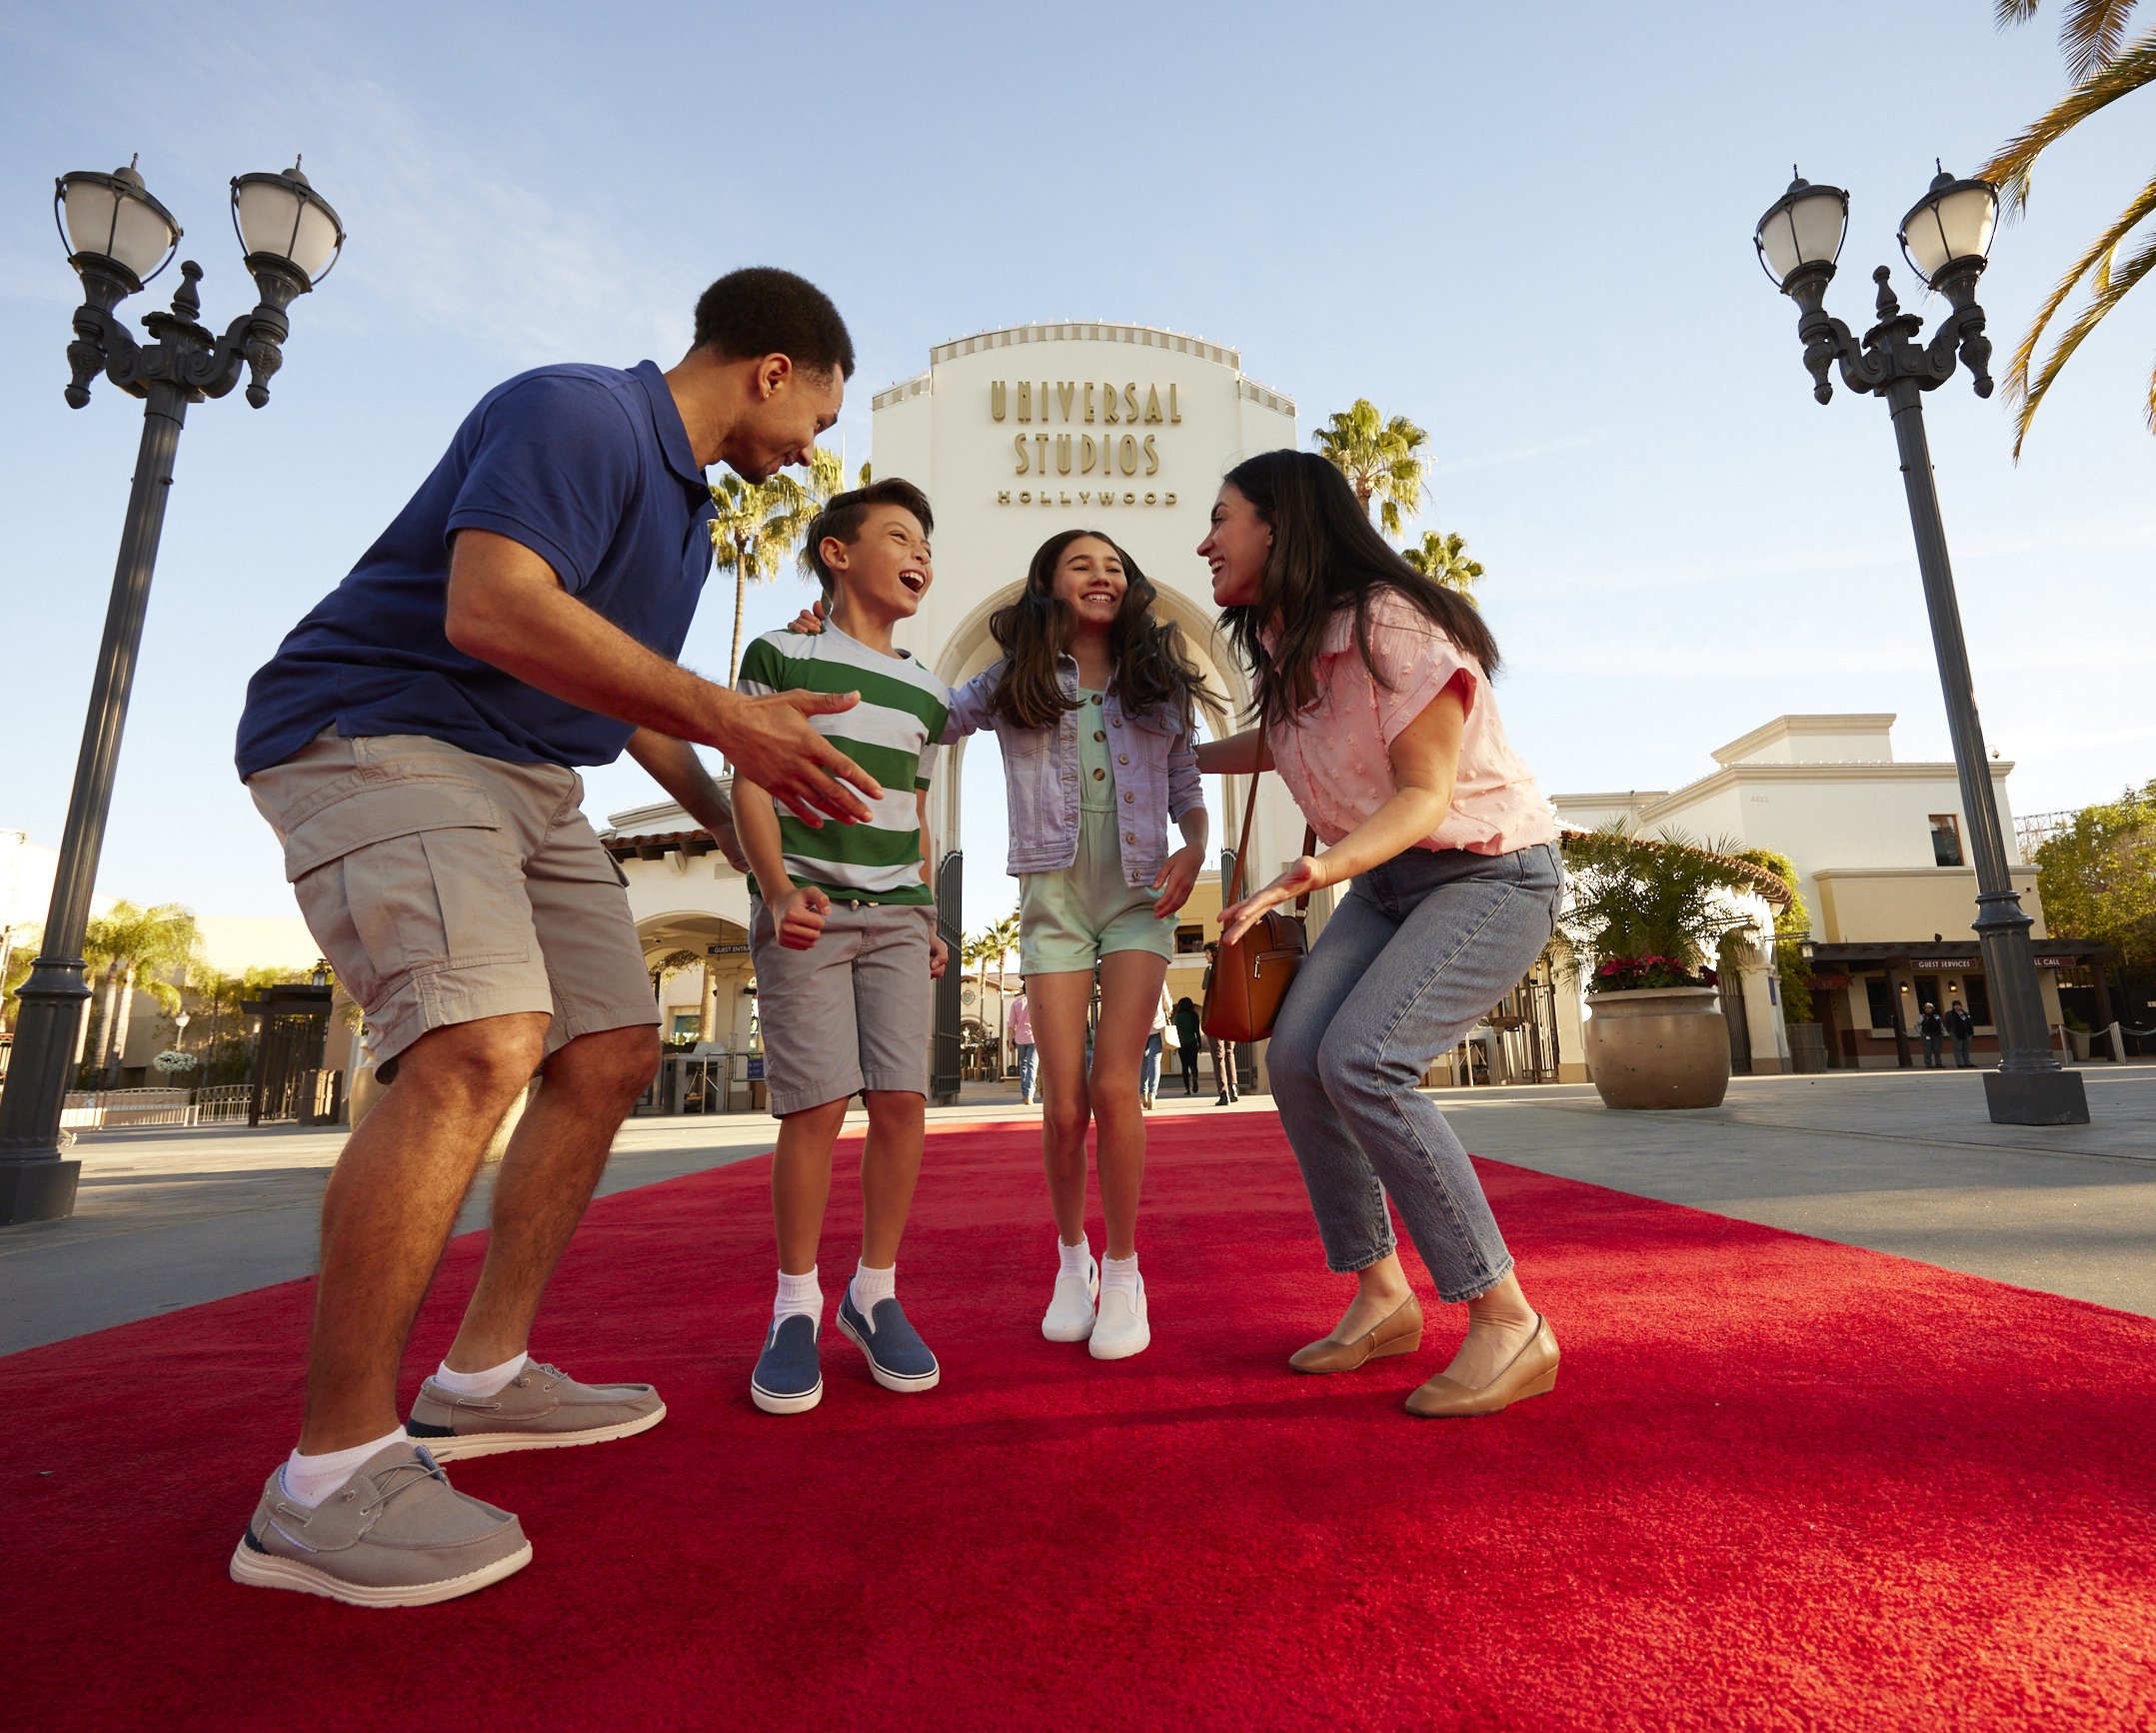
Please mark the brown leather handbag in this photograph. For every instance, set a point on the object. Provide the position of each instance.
(1249, 979)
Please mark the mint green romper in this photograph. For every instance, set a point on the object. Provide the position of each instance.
(1069, 920)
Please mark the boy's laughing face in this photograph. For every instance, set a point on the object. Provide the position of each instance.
(887, 570)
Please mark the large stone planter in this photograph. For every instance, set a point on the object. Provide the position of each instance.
(1659, 1046)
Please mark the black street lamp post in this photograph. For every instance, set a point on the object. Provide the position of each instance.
(1946, 239)
(118, 238)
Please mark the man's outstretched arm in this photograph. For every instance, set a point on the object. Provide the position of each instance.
(675, 766)
(508, 608)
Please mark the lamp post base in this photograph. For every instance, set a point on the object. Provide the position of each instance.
(40, 1190)
(2036, 1097)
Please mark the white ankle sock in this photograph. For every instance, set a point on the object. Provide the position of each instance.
(1119, 1273)
(870, 1285)
(492, 1382)
(800, 1294)
(1077, 1259)
(309, 1481)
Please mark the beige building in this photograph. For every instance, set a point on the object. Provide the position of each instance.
(1880, 850)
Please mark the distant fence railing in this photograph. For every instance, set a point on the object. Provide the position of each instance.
(222, 1104)
(101, 1109)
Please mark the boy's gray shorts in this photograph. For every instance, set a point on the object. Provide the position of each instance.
(854, 1011)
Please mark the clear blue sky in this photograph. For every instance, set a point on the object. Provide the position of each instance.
(1527, 228)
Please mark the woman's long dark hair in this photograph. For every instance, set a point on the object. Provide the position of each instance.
(1326, 554)
(1152, 668)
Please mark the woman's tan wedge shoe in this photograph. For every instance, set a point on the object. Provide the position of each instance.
(1532, 1372)
(1399, 1332)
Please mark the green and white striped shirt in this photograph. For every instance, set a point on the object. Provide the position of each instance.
(901, 715)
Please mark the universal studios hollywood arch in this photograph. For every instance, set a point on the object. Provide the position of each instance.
(1017, 434)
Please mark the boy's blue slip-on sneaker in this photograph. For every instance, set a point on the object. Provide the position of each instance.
(897, 1358)
(787, 1379)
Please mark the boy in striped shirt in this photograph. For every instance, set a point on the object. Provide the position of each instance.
(842, 934)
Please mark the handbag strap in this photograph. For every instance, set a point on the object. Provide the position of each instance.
(1242, 850)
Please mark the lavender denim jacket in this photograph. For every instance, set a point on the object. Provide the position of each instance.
(1156, 775)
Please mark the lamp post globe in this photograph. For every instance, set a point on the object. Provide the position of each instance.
(1804, 227)
(284, 224)
(1951, 225)
(111, 220)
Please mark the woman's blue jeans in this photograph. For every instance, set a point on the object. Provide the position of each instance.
(1417, 951)
(1148, 1074)
(1026, 1062)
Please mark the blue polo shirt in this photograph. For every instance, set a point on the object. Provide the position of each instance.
(590, 469)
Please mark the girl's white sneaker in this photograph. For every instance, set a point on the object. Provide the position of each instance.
(1121, 1330)
(1071, 1312)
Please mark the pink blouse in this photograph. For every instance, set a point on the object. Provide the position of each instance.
(1335, 758)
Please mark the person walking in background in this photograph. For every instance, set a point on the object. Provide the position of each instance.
(1933, 1028)
(1187, 1021)
(414, 743)
(1373, 704)
(1149, 1071)
(1961, 1026)
(1021, 1043)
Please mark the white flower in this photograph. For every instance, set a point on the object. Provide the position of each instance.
(172, 1060)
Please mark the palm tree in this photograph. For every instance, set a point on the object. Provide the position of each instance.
(2104, 68)
(1378, 456)
(757, 523)
(1005, 934)
(1444, 559)
(136, 947)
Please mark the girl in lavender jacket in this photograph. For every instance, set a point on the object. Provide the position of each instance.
(1093, 704)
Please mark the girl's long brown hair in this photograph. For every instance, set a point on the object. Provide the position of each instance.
(1326, 554)
(1154, 670)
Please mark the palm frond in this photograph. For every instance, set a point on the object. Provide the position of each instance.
(2091, 34)
(2097, 259)
(2010, 168)
(2110, 287)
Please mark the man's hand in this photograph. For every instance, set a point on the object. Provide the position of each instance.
(1302, 875)
(1176, 878)
(771, 743)
(938, 956)
(800, 917)
(507, 608)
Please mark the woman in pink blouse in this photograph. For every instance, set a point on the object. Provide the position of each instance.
(1373, 704)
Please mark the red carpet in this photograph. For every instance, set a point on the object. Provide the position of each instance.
(1781, 1484)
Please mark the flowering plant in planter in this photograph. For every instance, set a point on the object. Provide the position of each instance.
(1652, 912)
(1631, 973)
(173, 1061)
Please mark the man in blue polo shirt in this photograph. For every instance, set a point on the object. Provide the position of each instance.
(414, 743)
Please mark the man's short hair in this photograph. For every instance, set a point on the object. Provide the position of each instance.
(842, 519)
(765, 311)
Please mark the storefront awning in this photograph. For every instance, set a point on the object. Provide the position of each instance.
(1948, 956)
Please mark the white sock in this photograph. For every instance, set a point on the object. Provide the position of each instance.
(1077, 1259)
(309, 1481)
(870, 1285)
(492, 1382)
(1121, 1273)
(800, 1294)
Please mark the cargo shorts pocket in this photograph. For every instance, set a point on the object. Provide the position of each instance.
(407, 876)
